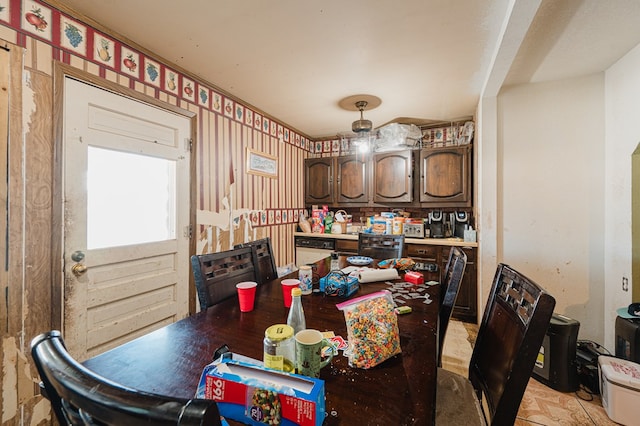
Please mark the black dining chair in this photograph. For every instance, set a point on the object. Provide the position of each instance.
(449, 287)
(380, 246)
(216, 274)
(263, 253)
(513, 327)
(78, 396)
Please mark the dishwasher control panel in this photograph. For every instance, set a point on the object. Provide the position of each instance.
(316, 243)
(310, 250)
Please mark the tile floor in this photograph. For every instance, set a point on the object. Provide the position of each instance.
(541, 405)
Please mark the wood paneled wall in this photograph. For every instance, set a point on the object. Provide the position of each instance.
(227, 211)
(233, 206)
(229, 199)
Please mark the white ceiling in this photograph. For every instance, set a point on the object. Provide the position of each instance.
(426, 59)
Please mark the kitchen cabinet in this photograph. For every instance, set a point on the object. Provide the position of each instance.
(393, 177)
(466, 306)
(318, 181)
(426, 254)
(352, 183)
(442, 179)
(466, 303)
(445, 177)
(336, 180)
(347, 247)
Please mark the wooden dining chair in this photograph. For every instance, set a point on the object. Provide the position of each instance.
(380, 246)
(449, 287)
(216, 274)
(266, 263)
(513, 327)
(78, 396)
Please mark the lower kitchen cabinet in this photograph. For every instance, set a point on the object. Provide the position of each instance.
(347, 247)
(310, 248)
(466, 307)
(425, 254)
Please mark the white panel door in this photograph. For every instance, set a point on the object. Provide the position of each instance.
(126, 216)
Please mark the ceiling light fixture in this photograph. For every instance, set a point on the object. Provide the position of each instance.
(362, 137)
(361, 125)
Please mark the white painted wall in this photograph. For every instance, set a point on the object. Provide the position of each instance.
(622, 117)
(547, 220)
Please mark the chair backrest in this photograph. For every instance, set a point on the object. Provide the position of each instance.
(380, 246)
(266, 263)
(449, 287)
(513, 327)
(78, 396)
(216, 274)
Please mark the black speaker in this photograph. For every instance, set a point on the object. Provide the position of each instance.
(556, 363)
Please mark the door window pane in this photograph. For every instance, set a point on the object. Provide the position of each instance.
(130, 198)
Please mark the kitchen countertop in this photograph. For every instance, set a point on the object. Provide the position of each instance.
(426, 241)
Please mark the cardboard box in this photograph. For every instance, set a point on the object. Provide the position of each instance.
(255, 395)
(317, 221)
(620, 389)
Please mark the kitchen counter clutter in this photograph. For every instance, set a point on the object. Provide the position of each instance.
(459, 242)
(434, 252)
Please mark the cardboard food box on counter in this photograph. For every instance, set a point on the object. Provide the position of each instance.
(255, 395)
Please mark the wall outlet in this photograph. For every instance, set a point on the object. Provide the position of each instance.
(625, 284)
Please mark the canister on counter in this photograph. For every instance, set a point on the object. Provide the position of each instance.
(279, 348)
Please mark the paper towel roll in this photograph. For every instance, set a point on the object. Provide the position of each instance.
(373, 275)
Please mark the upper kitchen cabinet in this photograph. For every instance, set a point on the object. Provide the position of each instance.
(445, 177)
(393, 177)
(352, 182)
(336, 180)
(318, 181)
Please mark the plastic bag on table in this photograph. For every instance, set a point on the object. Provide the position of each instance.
(372, 329)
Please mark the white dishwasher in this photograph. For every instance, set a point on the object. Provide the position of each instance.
(311, 249)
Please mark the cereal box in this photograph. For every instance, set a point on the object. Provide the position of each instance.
(255, 395)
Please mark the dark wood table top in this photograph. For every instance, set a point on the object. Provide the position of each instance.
(398, 391)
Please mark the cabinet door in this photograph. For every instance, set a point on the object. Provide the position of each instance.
(347, 247)
(445, 176)
(318, 181)
(426, 254)
(351, 185)
(393, 177)
(466, 306)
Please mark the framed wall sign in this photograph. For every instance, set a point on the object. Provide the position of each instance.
(259, 163)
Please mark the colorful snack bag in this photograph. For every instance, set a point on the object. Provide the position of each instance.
(372, 329)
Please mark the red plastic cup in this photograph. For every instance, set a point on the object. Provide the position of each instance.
(287, 286)
(246, 295)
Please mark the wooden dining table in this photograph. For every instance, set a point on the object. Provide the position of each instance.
(398, 391)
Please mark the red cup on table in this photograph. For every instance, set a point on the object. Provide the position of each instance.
(287, 286)
(246, 295)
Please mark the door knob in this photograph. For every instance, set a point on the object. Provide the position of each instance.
(78, 269)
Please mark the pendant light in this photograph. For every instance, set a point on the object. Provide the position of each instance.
(361, 125)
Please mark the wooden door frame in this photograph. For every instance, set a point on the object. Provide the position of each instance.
(60, 72)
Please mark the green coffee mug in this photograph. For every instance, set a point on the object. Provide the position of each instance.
(309, 345)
